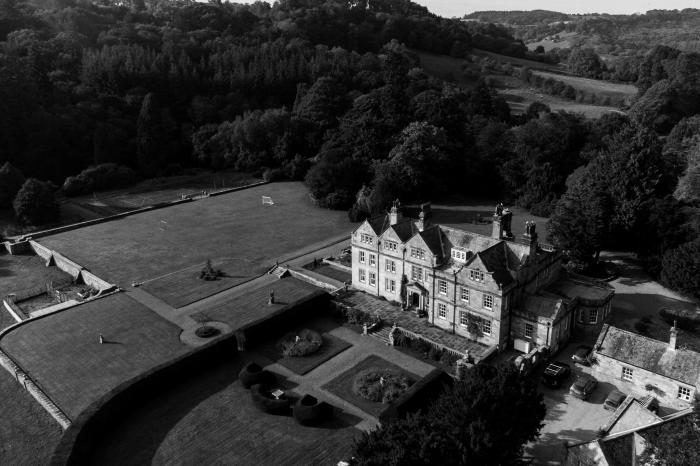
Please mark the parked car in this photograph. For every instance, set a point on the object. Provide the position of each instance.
(582, 355)
(614, 400)
(556, 373)
(583, 387)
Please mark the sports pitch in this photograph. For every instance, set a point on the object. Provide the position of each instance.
(166, 248)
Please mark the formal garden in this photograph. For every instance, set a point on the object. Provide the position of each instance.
(303, 350)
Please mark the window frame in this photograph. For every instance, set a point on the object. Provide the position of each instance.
(442, 285)
(591, 313)
(529, 329)
(372, 279)
(482, 324)
(685, 393)
(390, 266)
(486, 297)
(362, 275)
(463, 318)
(372, 260)
(627, 373)
(362, 257)
(464, 290)
(442, 310)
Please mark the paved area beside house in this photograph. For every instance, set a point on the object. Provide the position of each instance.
(569, 419)
(392, 313)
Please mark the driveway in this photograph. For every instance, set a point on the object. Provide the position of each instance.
(569, 419)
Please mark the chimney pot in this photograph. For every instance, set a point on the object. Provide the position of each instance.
(673, 337)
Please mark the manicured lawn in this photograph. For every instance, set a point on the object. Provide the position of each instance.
(252, 305)
(342, 385)
(25, 273)
(235, 231)
(62, 353)
(303, 364)
(28, 434)
(210, 419)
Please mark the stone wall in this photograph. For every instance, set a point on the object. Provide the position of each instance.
(666, 389)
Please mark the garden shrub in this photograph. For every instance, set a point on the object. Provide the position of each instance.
(301, 344)
(358, 317)
(449, 359)
(683, 322)
(381, 386)
(435, 353)
(421, 346)
(209, 272)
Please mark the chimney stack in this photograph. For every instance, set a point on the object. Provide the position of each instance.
(672, 339)
(395, 213)
(497, 232)
(530, 237)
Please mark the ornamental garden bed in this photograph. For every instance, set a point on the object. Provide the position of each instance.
(361, 384)
(329, 347)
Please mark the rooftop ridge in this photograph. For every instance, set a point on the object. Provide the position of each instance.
(654, 340)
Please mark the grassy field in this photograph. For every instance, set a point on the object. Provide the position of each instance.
(24, 273)
(62, 353)
(253, 305)
(535, 65)
(519, 99)
(240, 235)
(28, 434)
(447, 68)
(616, 91)
(210, 419)
(563, 40)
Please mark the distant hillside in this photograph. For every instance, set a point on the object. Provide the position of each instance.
(614, 35)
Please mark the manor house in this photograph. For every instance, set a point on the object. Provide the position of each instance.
(498, 290)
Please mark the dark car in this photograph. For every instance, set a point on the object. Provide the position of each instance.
(582, 355)
(583, 387)
(614, 400)
(555, 374)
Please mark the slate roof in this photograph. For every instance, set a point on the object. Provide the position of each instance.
(405, 229)
(649, 354)
(542, 306)
(379, 223)
(495, 259)
(433, 239)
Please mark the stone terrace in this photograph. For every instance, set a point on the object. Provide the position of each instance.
(392, 313)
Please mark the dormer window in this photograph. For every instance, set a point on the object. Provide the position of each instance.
(368, 239)
(390, 245)
(459, 255)
(476, 275)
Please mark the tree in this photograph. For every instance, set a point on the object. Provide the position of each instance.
(151, 138)
(11, 180)
(36, 203)
(680, 268)
(580, 220)
(585, 62)
(673, 443)
(465, 425)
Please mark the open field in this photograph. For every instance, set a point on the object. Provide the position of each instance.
(28, 434)
(241, 236)
(210, 419)
(561, 40)
(62, 353)
(25, 273)
(616, 91)
(520, 99)
(447, 68)
(535, 65)
(156, 190)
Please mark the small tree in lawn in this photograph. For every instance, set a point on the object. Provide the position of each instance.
(11, 180)
(36, 203)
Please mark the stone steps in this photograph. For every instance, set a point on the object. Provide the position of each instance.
(382, 334)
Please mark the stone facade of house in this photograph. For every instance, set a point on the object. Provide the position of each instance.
(642, 366)
(492, 289)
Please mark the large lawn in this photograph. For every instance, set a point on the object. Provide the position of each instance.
(167, 248)
(210, 419)
(62, 353)
(28, 434)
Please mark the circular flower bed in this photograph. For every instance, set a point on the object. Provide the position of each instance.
(381, 385)
(207, 331)
(300, 344)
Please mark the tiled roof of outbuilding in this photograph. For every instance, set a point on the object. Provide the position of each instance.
(653, 355)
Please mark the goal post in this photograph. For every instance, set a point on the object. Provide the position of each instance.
(267, 200)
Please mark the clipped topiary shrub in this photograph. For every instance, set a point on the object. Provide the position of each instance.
(300, 344)
(381, 385)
